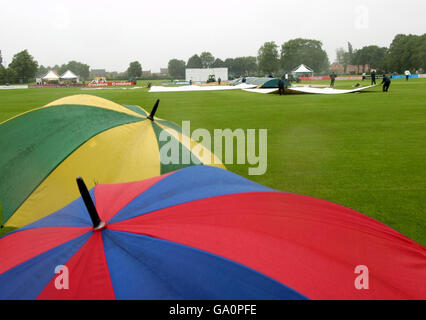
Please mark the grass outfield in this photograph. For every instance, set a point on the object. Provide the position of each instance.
(365, 151)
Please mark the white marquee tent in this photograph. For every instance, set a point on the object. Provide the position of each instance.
(69, 75)
(51, 76)
(302, 69)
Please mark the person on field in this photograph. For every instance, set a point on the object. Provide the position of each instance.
(219, 80)
(281, 89)
(386, 83)
(373, 77)
(364, 76)
(333, 79)
(407, 74)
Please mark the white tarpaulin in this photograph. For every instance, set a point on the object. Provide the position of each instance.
(265, 91)
(251, 88)
(299, 90)
(325, 90)
(200, 88)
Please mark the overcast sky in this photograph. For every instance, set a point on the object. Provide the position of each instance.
(109, 34)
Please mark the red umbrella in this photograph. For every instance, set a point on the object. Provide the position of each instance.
(206, 233)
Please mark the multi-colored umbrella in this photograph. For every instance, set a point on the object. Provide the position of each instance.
(206, 233)
(42, 151)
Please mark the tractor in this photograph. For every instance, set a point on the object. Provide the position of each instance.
(211, 78)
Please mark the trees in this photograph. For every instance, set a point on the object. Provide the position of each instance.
(418, 58)
(176, 69)
(80, 69)
(407, 52)
(60, 69)
(245, 65)
(7, 75)
(268, 57)
(398, 53)
(250, 65)
(373, 56)
(134, 70)
(194, 62)
(343, 57)
(24, 65)
(241, 66)
(207, 59)
(56, 68)
(11, 75)
(229, 63)
(340, 56)
(306, 51)
(350, 54)
(218, 63)
(3, 76)
(42, 70)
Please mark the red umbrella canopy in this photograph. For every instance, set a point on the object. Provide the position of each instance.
(206, 233)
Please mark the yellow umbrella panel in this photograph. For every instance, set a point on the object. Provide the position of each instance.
(44, 150)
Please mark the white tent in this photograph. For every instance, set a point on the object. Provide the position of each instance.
(51, 76)
(69, 75)
(303, 69)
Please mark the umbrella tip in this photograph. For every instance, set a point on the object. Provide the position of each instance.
(98, 224)
(101, 226)
(154, 110)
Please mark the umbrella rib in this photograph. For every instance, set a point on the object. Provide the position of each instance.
(154, 110)
(90, 206)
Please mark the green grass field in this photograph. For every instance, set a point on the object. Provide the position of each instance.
(365, 151)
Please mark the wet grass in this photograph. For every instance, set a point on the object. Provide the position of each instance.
(365, 151)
